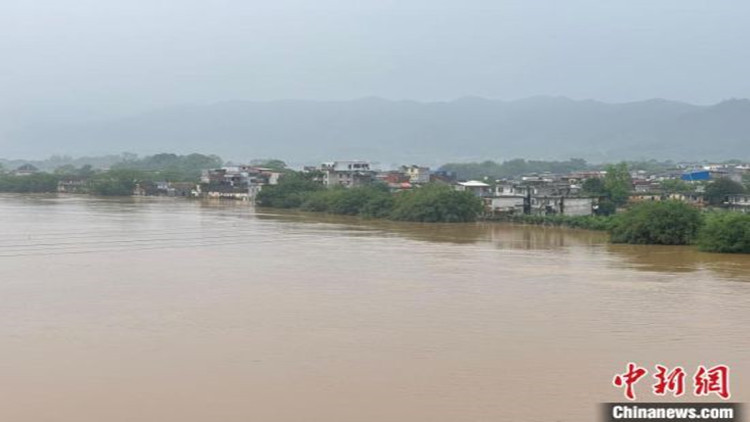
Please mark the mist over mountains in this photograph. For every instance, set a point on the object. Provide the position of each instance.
(408, 131)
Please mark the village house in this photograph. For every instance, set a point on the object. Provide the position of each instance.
(478, 188)
(739, 202)
(25, 170)
(636, 197)
(417, 175)
(182, 189)
(73, 184)
(347, 173)
(695, 198)
(235, 182)
(508, 204)
(396, 180)
(646, 186)
(442, 176)
(542, 205)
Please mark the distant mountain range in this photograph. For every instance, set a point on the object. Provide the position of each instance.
(409, 131)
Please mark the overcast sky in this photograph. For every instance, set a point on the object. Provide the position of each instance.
(116, 56)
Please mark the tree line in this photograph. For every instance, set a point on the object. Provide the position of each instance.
(430, 203)
(120, 179)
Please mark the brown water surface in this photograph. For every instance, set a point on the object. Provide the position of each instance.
(171, 310)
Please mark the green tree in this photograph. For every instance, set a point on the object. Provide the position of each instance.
(120, 182)
(272, 163)
(657, 222)
(291, 192)
(617, 183)
(67, 170)
(170, 167)
(727, 232)
(674, 186)
(512, 168)
(367, 201)
(718, 190)
(437, 203)
(33, 183)
(593, 186)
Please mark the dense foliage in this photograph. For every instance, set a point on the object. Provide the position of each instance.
(718, 190)
(366, 201)
(613, 190)
(657, 222)
(436, 203)
(291, 192)
(587, 222)
(71, 170)
(512, 168)
(271, 163)
(675, 186)
(727, 232)
(117, 182)
(171, 167)
(32, 183)
(430, 203)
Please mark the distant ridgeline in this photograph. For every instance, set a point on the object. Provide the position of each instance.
(413, 131)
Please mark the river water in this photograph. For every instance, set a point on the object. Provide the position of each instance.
(173, 310)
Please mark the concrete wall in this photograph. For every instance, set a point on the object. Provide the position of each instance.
(578, 206)
(505, 203)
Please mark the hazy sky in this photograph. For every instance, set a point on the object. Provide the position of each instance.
(111, 56)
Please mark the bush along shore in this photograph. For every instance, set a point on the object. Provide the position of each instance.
(585, 222)
(660, 223)
(652, 222)
(428, 204)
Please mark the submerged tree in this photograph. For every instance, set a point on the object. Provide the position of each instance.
(657, 222)
(437, 203)
(727, 232)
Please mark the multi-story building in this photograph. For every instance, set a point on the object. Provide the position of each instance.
(347, 173)
(417, 175)
(237, 181)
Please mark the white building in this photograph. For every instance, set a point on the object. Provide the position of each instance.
(476, 187)
(417, 175)
(346, 173)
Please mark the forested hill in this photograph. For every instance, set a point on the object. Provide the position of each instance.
(408, 131)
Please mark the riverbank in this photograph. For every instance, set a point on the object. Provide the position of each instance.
(586, 222)
(429, 204)
(646, 223)
(658, 223)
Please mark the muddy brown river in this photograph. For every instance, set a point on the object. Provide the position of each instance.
(161, 310)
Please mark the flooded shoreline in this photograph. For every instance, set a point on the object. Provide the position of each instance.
(159, 309)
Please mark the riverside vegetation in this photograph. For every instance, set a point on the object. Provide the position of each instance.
(653, 222)
(662, 223)
(429, 204)
(121, 178)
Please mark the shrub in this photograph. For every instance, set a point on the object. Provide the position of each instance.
(291, 192)
(586, 222)
(367, 201)
(657, 222)
(435, 203)
(727, 232)
(119, 182)
(33, 183)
